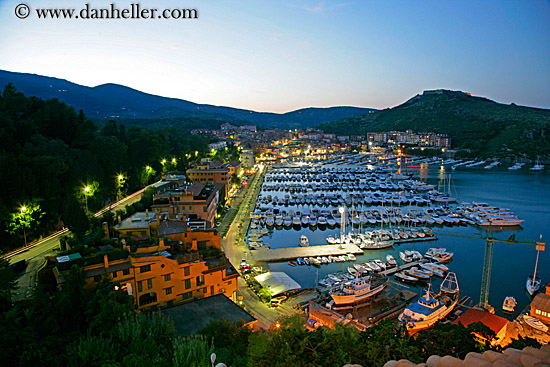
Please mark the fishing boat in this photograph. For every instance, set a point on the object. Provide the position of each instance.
(509, 304)
(535, 323)
(431, 308)
(533, 283)
(357, 291)
(304, 241)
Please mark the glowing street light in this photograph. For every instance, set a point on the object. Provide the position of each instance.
(86, 193)
(23, 209)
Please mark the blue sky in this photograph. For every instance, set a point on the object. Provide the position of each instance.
(282, 55)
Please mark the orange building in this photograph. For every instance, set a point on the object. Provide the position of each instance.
(496, 323)
(540, 306)
(210, 172)
(159, 276)
(196, 201)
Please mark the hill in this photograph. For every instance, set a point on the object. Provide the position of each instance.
(486, 127)
(113, 101)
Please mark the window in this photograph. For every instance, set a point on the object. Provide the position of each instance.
(144, 268)
(177, 198)
(140, 286)
(186, 271)
(212, 290)
(200, 280)
(97, 278)
(168, 291)
(115, 274)
(187, 283)
(187, 295)
(125, 271)
(167, 277)
(149, 283)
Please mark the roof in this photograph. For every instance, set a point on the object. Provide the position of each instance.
(278, 282)
(66, 258)
(172, 227)
(137, 220)
(541, 301)
(234, 164)
(196, 188)
(424, 310)
(194, 316)
(494, 322)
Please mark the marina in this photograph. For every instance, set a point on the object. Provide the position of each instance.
(480, 195)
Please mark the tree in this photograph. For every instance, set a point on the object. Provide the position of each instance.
(7, 284)
(24, 219)
(75, 218)
(192, 351)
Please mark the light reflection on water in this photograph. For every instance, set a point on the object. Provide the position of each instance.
(524, 192)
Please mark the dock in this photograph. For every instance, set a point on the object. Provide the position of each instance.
(292, 253)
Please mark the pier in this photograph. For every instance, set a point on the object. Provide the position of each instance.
(292, 253)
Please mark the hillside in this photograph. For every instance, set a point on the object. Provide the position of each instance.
(113, 101)
(486, 127)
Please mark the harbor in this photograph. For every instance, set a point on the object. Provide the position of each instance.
(393, 216)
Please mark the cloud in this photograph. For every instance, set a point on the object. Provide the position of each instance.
(322, 7)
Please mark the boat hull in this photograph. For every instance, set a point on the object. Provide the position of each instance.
(351, 299)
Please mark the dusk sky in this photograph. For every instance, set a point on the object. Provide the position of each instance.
(283, 55)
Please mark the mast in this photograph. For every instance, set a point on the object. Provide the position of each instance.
(535, 273)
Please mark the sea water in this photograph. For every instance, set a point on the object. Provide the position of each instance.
(525, 193)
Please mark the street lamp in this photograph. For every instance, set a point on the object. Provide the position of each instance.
(86, 193)
(23, 209)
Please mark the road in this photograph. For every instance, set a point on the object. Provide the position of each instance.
(34, 254)
(236, 250)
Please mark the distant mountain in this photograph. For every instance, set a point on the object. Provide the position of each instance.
(113, 101)
(486, 127)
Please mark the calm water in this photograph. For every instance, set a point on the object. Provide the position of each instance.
(525, 193)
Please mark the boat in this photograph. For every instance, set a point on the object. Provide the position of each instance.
(415, 272)
(431, 308)
(509, 304)
(535, 323)
(292, 263)
(391, 261)
(537, 166)
(314, 261)
(405, 278)
(533, 283)
(304, 241)
(357, 291)
(300, 261)
(404, 257)
(351, 257)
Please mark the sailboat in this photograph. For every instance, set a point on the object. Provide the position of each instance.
(444, 196)
(533, 283)
(537, 166)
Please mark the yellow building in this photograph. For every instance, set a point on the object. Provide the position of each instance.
(540, 306)
(210, 172)
(159, 276)
(196, 201)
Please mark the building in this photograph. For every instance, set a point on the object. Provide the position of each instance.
(192, 317)
(496, 323)
(210, 172)
(234, 167)
(161, 275)
(217, 145)
(247, 158)
(540, 306)
(195, 201)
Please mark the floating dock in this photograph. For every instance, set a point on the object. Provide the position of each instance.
(292, 253)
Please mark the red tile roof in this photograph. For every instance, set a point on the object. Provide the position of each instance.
(494, 322)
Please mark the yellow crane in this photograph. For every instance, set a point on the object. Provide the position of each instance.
(489, 239)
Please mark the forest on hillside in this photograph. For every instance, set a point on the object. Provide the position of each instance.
(49, 154)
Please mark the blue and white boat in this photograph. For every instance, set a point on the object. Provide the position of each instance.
(431, 308)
